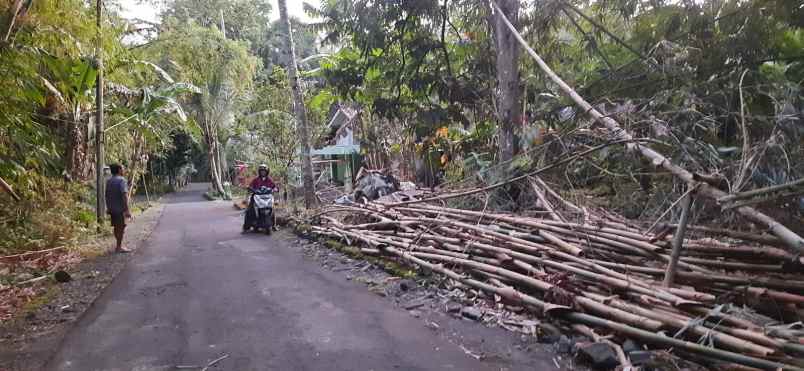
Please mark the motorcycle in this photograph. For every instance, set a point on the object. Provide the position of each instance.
(260, 211)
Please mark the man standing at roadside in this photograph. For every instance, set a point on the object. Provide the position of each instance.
(117, 204)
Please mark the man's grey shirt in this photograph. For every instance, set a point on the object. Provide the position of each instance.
(116, 189)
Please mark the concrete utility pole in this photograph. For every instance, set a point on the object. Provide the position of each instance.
(100, 195)
(298, 107)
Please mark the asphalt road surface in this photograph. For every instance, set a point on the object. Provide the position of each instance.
(199, 290)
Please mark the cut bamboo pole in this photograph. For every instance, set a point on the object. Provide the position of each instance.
(747, 236)
(545, 203)
(764, 252)
(550, 191)
(662, 340)
(735, 265)
(512, 294)
(531, 253)
(760, 191)
(713, 277)
(730, 341)
(678, 240)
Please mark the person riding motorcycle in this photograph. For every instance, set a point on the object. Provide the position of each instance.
(263, 179)
(258, 184)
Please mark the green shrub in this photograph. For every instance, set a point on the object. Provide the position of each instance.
(52, 213)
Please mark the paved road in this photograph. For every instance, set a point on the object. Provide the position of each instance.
(199, 289)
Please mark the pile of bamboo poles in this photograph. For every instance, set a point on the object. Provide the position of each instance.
(741, 299)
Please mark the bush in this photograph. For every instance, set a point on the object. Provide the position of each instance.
(52, 213)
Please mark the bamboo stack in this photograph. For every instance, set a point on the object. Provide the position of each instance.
(602, 273)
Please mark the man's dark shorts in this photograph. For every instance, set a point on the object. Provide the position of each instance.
(118, 219)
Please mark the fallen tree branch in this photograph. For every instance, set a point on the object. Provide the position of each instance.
(546, 203)
(680, 199)
(742, 174)
(755, 201)
(525, 176)
(215, 361)
(747, 236)
(678, 240)
(562, 312)
(760, 191)
(609, 271)
(6, 187)
(790, 238)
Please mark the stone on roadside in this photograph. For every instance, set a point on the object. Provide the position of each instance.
(472, 313)
(564, 345)
(630, 346)
(548, 333)
(601, 355)
(407, 284)
(453, 307)
(62, 276)
(415, 304)
(378, 290)
(640, 357)
(415, 313)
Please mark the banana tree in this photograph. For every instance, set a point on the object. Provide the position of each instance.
(69, 83)
(150, 117)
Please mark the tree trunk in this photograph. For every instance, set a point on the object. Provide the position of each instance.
(507, 94)
(212, 157)
(100, 136)
(298, 108)
(214, 171)
(137, 164)
(77, 163)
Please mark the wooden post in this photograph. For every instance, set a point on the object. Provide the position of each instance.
(678, 240)
(100, 195)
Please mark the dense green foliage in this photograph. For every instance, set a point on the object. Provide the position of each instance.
(718, 81)
(691, 74)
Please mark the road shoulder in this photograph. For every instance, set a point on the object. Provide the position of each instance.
(28, 342)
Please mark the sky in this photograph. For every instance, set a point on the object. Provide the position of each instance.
(133, 9)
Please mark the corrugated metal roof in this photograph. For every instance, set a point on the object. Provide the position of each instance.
(341, 117)
(336, 150)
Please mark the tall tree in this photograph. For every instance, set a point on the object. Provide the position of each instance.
(298, 107)
(224, 71)
(244, 19)
(100, 194)
(508, 91)
(272, 47)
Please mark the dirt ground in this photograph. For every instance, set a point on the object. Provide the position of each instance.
(27, 342)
